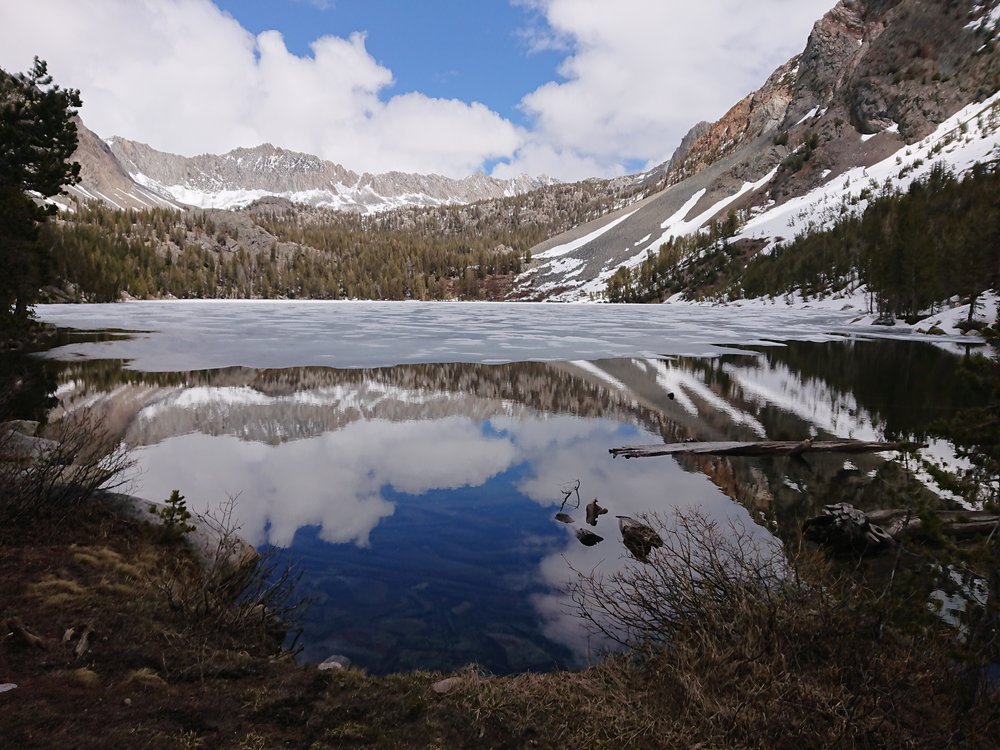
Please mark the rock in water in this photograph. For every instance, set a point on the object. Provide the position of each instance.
(846, 530)
(588, 538)
(593, 511)
(337, 661)
(639, 538)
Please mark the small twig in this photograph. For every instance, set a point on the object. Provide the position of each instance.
(568, 490)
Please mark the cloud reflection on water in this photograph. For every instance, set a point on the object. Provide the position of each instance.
(339, 482)
(632, 488)
(333, 480)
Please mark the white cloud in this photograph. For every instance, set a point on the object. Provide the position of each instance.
(334, 481)
(186, 77)
(642, 72)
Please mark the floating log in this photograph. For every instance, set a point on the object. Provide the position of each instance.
(761, 448)
(959, 524)
(846, 529)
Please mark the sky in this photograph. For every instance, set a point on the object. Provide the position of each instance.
(564, 88)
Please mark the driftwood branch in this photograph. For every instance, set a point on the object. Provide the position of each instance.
(960, 524)
(845, 529)
(761, 448)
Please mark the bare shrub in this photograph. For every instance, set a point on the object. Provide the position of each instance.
(230, 585)
(701, 570)
(44, 478)
(738, 643)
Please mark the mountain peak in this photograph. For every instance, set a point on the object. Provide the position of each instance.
(245, 174)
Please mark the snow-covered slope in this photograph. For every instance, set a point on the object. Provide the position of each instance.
(238, 178)
(970, 136)
(104, 179)
(881, 92)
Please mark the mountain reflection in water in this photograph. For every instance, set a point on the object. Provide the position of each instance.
(420, 499)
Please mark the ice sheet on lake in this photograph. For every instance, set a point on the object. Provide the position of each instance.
(207, 334)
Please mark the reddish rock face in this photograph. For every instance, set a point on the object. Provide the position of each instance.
(868, 65)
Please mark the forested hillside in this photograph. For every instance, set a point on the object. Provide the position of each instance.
(276, 249)
(202, 254)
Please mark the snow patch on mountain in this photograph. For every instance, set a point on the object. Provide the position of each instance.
(970, 136)
(244, 175)
(569, 247)
(677, 226)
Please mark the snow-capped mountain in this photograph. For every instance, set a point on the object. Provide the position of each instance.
(238, 178)
(127, 174)
(883, 90)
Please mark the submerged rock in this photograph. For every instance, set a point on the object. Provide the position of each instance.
(588, 538)
(640, 539)
(593, 511)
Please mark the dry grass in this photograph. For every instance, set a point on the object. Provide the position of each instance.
(55, 592)
(85, 677)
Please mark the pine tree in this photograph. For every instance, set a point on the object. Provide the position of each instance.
(37, 138)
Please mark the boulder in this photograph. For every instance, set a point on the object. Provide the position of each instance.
(446, 685)
(16, 446)
(23, 426)
(337, 661)
(847, 531)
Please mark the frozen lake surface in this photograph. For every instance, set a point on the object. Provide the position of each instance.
(204, 334)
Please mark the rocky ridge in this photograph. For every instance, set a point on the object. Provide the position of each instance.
(238, 178)
(104, 179)
(875, 77)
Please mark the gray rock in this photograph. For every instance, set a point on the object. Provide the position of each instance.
(446, 685)
(18, 446)
(847, 530)
(337, 661)
(22, 426)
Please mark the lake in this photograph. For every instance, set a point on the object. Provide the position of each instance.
(411, 457)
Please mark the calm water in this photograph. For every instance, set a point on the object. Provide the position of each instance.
(412, 457)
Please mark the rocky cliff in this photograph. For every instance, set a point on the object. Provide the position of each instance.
(871, 91)
(104, 178)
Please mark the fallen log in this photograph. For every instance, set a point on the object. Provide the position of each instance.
(761, 448)
(845, 529)
(16, 630)
(959, 524)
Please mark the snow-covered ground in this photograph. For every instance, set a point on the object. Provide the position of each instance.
(942, 326)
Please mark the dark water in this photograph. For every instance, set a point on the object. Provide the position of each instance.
(420, 499)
